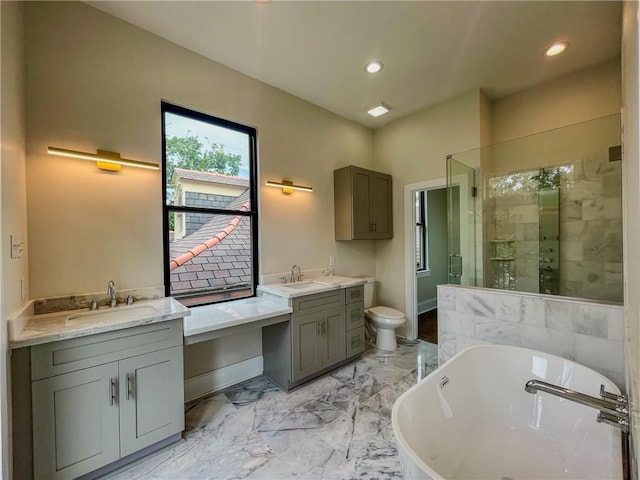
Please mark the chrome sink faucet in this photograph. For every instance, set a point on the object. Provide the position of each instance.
(296, 274)
(111, 291)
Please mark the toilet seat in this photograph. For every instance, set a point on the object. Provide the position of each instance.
(386, 312)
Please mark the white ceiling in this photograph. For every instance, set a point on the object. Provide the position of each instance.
(316, 50)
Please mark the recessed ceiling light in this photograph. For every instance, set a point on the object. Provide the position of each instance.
(374, 67)
(379, 110)
(556, 49)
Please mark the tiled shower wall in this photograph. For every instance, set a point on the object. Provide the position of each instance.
(589, 333)
(590, 231)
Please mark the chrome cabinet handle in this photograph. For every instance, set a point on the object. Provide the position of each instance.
(113, 390)
(324, 328)
(318, 327)
(130, 386)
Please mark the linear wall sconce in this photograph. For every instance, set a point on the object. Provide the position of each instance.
(288, 187)
(111, 161)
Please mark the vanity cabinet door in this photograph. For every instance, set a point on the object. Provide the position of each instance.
(75, 422)
(305, 334)
(151, 398)
(333, 337)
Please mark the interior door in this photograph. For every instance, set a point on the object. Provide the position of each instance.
(461, 222)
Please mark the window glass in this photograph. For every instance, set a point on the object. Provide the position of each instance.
(210, 207)
(421, 230)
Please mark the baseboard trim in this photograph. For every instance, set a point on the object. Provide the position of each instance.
(222, 378)
(427, 305)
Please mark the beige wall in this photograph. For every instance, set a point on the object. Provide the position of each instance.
(631, 209)
(591, 93)
(99, 86)
(413, 149)
(13, 195)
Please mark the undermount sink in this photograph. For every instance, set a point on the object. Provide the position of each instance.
(299, 286)
(115, 313)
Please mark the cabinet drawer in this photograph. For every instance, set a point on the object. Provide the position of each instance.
(65, 356)
(355, 342)
(355, 315)
(318, 301)
(354, 294)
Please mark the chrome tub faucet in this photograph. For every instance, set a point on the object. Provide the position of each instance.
(614, 408)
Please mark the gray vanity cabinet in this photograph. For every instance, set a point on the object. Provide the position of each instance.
(354, 309)
(75, 430)
(318, 341)
(363, 204)
(101, 398)
(151, 398)
(313, 342)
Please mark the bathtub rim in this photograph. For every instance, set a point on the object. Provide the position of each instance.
(408, 451)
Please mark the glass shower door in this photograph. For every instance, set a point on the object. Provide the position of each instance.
(461, 222)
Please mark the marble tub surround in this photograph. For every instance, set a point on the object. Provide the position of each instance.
(336, 427)
(52, 327)
(587, 332)
(75, 302)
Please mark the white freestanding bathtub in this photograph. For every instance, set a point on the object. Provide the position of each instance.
(472, 419)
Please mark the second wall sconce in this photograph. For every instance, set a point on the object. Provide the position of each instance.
(288, 187)
(110, 161)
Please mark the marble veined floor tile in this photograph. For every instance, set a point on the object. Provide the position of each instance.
(216, 421)
(285, 429)
(253, 390)
(296, 398)
(377, 461)
(161, 465)
(364, 365)
(235, 461)
(408, 358)
(354, 391)
(336, 427)
(304, 460)
(207, 411)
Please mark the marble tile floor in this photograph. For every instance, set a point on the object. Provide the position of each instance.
(336, 427)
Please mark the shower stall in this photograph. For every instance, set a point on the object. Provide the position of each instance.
(540, 214)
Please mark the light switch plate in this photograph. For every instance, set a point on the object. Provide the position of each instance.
(17, 247)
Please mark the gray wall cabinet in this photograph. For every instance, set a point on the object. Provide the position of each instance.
(100, 398)
(325, 331)
(362, 204)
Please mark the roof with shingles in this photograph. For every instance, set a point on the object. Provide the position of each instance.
(210, 177)
(216, 255)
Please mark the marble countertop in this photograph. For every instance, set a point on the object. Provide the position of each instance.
(218, 316)
(309, 287)
(52, 327)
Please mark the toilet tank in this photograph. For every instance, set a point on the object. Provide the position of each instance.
(369, 291)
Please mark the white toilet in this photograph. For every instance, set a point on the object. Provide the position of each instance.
(384, 319)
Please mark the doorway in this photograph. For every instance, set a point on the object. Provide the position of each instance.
(425, 255)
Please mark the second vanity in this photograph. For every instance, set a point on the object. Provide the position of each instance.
(326, 329)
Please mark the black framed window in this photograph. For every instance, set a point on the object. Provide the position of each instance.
(421, 230)
(209, 206)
